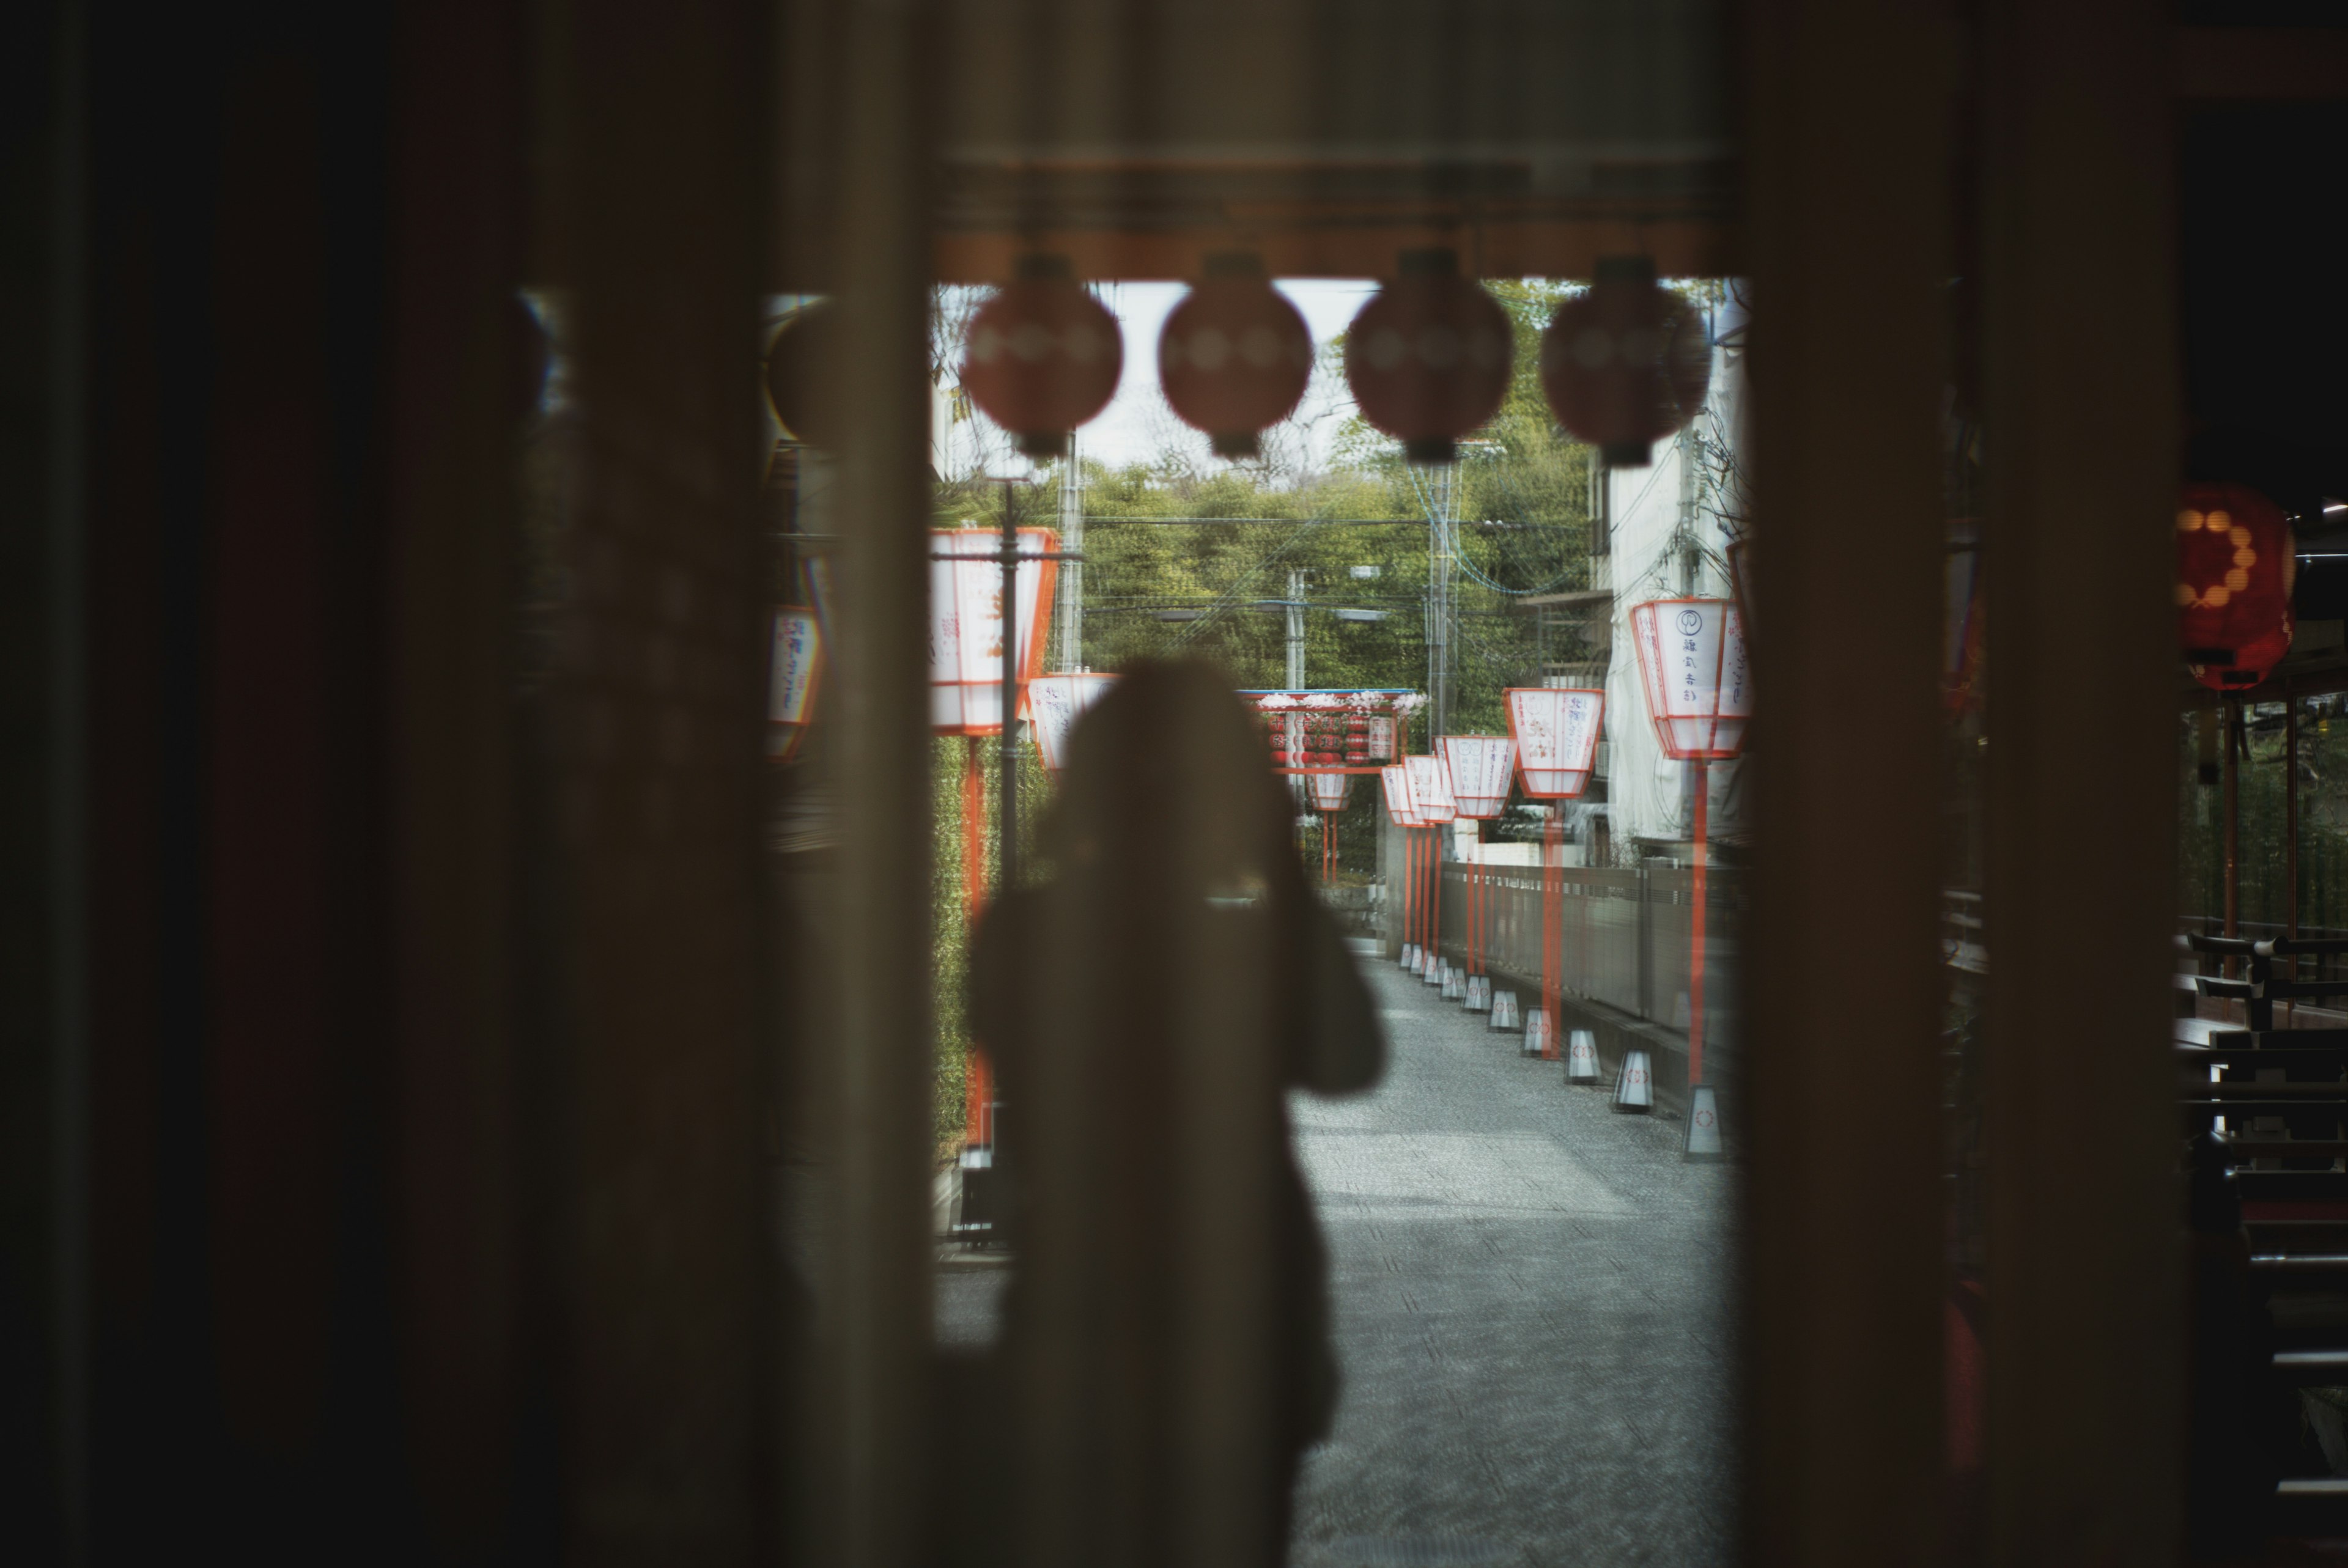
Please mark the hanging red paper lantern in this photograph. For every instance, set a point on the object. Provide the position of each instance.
(2236, 564)
(1626, 364)
(1234, 356)
(1427, 358)
(1041, 356)
(799, 368)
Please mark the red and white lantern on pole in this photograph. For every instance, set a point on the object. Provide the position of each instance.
(1041, 356)
(1479, 766)
(1556, 729)
(795, 672)
(966, 623)
(1053, 704)
(1430, 796)
(1700, 695)
(1395, 782)
(967, 627)
(1235, 355)
(1329, 791)
(1692, 661)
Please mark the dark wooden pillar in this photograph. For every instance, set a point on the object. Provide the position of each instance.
(1843, 1444)
(2085, 1262)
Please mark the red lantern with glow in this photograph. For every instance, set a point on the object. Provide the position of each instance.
(1234, 356)
(1626, 364)
(2236, 564)
(1427, 358)
(1041, 356)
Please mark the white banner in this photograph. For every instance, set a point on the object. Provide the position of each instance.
(791, 678)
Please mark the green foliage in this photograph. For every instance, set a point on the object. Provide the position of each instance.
(2323, 817)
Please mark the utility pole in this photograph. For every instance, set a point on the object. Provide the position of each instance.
(1295, 628)
(1442, 491)
(1071, 571)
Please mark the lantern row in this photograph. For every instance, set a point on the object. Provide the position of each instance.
(1623, 366)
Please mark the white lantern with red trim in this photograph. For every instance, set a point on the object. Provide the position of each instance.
(1556, 729)
(1700, 696)
(1330, 791)
(1479, 766)
(1691, 663)
(966, 627)
(1053, 704)
(1430, 790)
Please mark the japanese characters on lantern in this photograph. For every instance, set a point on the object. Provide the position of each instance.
(797, 665)
(1692, 665)
(1053, 704)
(1479, 766)
(1430, 790)
(1557, 729)
(966, 624)
(1394, 780)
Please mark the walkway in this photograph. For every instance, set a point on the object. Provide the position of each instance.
(1533, 1306)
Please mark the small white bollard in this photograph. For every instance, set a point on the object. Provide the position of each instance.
(1479, 993)
(1536, 1033)
(1634, 1083)
(1455, 984)
(1703, 1126)
(1410, 956)
(1504, 1010)
(1433, 972)
(1581, 1056)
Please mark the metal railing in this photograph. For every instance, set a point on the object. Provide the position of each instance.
(1621, 936)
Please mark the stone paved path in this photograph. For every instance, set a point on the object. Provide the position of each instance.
(1533, 1306)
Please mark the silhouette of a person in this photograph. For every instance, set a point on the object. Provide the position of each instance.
(1167, 1345)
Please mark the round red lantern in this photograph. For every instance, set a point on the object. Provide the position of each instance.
(1428, 357)
(2235, 567)
(1041, 356)
(1234, 356)
(798, 365)
(1626, 364)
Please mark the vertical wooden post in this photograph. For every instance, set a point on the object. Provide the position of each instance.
(2231, 712)
(878, 1417)
(1844, 1328)
(2084, 1390)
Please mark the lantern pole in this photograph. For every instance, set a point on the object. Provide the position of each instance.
(1696, 935)
(2290, 835)
(1551, 835)
(1006, 754)
(2232, 713)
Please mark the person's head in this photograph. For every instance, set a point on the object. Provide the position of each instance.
(1168, 779)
